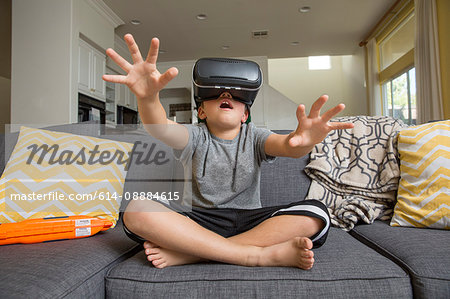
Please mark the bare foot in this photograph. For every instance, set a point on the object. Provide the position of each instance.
(293, 253)
(162, 257)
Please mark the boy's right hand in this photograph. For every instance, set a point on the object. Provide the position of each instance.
(142, 78)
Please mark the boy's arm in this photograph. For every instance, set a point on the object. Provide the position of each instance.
(145, 81)
(311, 130)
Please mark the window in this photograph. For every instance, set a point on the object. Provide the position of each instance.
(396, 68)
(399, 42)
(399, 96)
(319, 63)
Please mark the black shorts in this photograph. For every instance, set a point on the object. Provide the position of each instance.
(230, 222)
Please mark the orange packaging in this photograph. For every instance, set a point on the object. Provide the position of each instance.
(51, 229)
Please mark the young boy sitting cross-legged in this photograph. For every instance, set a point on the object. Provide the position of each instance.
(227, 223)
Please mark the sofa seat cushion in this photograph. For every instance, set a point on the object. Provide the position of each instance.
(344, 268)
(424, 253)
(69, 269)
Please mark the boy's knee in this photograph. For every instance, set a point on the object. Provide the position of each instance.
(319, 224)
(131, 219)
(309, 226)
(127, 219)
(138, 214)
(314, 224)
(134, 215)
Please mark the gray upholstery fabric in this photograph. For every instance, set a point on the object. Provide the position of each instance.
(284, 180)
(8, 143)
(149, 177)
(344, 268)
(424, 253)
(70, 269)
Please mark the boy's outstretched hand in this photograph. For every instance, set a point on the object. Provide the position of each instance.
(145, 81)
(311, 130)
(142, 78)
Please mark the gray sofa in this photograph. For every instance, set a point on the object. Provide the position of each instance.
(371, 261)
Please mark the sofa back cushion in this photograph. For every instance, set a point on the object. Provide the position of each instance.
(7, 143)
(144, 177)
(283, 180)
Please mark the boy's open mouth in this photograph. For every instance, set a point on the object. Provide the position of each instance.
(226, 104)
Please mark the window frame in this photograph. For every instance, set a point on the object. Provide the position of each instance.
(390, 104)
(402, 65)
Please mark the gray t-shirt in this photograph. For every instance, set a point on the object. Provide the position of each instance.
(225, 173)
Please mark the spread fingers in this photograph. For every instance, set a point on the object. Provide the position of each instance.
(152, 56)
(318, 104)
(119, 60)
(134, 49)
(115, 78)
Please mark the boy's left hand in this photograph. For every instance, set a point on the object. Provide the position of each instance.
(313, 128)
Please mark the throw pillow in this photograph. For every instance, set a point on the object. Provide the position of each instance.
(52, 174)
(424, 192)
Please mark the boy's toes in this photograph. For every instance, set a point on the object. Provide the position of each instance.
(148, 244)
(153, 257)
(154, 250)
(307, 254)
(159, 263)
(308, 265)
(304, 243)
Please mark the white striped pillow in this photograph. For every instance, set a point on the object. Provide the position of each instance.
(71, 179)
(424, 191)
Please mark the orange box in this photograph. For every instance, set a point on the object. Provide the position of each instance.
(51, 229)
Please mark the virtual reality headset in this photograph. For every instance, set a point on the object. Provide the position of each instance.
(213, 76)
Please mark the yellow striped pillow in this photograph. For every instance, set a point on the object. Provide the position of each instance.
(51, 174)
(424, 191)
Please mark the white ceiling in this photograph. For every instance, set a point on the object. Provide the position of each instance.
(332, 27)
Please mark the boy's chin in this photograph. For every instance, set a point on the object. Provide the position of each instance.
(228, 123)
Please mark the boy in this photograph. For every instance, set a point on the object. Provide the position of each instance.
(228, 226)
